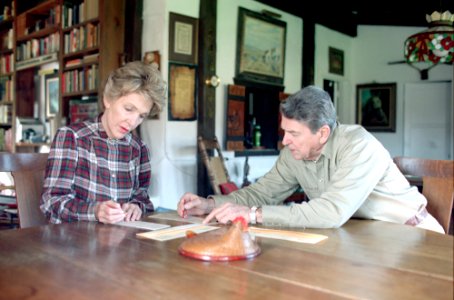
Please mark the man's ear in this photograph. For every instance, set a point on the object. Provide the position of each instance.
(324, 132)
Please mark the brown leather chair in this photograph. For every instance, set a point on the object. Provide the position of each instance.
(27, 170)
(211, 154)
(437, 178)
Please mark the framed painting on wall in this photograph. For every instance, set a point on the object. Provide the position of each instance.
(336, 61)
(260, 54)
(182, 92)
(52, 95)
(376, 106)
(183, 38)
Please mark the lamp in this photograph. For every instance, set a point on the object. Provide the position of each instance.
(435, 45)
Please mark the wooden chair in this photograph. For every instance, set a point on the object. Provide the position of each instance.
(211, 154)
(27, 170)
(437, 178)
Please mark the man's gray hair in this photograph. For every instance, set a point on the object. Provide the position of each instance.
(312, 106)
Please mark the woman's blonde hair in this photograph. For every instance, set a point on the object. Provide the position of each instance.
(137, 77)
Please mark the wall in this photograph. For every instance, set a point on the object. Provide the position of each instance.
(366, 57)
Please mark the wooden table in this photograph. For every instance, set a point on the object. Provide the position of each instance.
(362, 259)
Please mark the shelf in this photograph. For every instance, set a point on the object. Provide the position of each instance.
(257, 152)
(38, 34)
(81, 24)
(36, 61)
(31, 145)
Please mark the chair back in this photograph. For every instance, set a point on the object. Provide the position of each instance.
(437, 185)
(211, 155)
(27, 170)
(439, 192)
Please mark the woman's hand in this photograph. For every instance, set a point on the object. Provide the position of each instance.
(132, 211)
(109, 212)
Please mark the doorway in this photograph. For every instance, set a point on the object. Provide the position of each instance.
(428, 120)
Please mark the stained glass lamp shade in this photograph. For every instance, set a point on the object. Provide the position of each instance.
(432, 46)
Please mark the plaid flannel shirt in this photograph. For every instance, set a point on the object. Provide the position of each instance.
(85, 167)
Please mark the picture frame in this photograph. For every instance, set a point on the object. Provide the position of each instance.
(260, 54)
(336, 61)
(52, 95)
(153, 58)
(182, 92)
(183, 38)
(376, 106)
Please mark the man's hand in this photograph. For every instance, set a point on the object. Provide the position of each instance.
(193, 205)
(228, 212)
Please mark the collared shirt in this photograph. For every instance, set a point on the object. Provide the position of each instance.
(354, 176)
(85, 167)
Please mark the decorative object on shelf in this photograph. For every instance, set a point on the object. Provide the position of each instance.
(153, 57)
(183, 38)
(336, 61)
(260, 54)
(182, 92)
(376, 106)
(52, 95)
(435, 45)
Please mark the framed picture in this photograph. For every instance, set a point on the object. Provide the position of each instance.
(182, 92)
(376, 106)
(183, 38)
(260, 54)
(52, 95)
(336, 61)
(152, 57)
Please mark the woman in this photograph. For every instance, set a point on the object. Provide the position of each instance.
(97, 169)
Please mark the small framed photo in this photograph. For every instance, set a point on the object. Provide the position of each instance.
(152, 57)
(52, 95)
(182, 92)
(336, 61)
(260, 54)
(183, 37)
(376, 106)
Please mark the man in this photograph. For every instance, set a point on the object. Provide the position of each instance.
(343, 169)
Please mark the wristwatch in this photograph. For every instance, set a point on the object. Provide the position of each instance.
(253, 215)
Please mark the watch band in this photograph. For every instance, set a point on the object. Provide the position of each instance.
(253, 215)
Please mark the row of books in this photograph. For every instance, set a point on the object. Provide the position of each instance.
(79, 80)
(86, 59)
(5, 114)
(81, 38)
(6, 63)
(83, 108)
(6, 89)
(74, 14)
(38, 47)
(45, 21)
(7, 40)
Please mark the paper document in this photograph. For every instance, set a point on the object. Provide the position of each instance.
(173, 216)
(288, 235)
(143, 225)
(176, 232)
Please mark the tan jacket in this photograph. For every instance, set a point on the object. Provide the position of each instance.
(355, 176)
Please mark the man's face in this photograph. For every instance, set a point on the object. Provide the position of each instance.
(303, 144)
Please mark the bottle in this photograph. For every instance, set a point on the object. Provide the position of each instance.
(257, 136)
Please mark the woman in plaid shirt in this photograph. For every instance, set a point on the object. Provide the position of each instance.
(97, 169)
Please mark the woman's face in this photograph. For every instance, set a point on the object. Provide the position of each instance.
(124, 114)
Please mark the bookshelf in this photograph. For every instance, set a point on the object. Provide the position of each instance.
(60, 55)
(7, 74)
